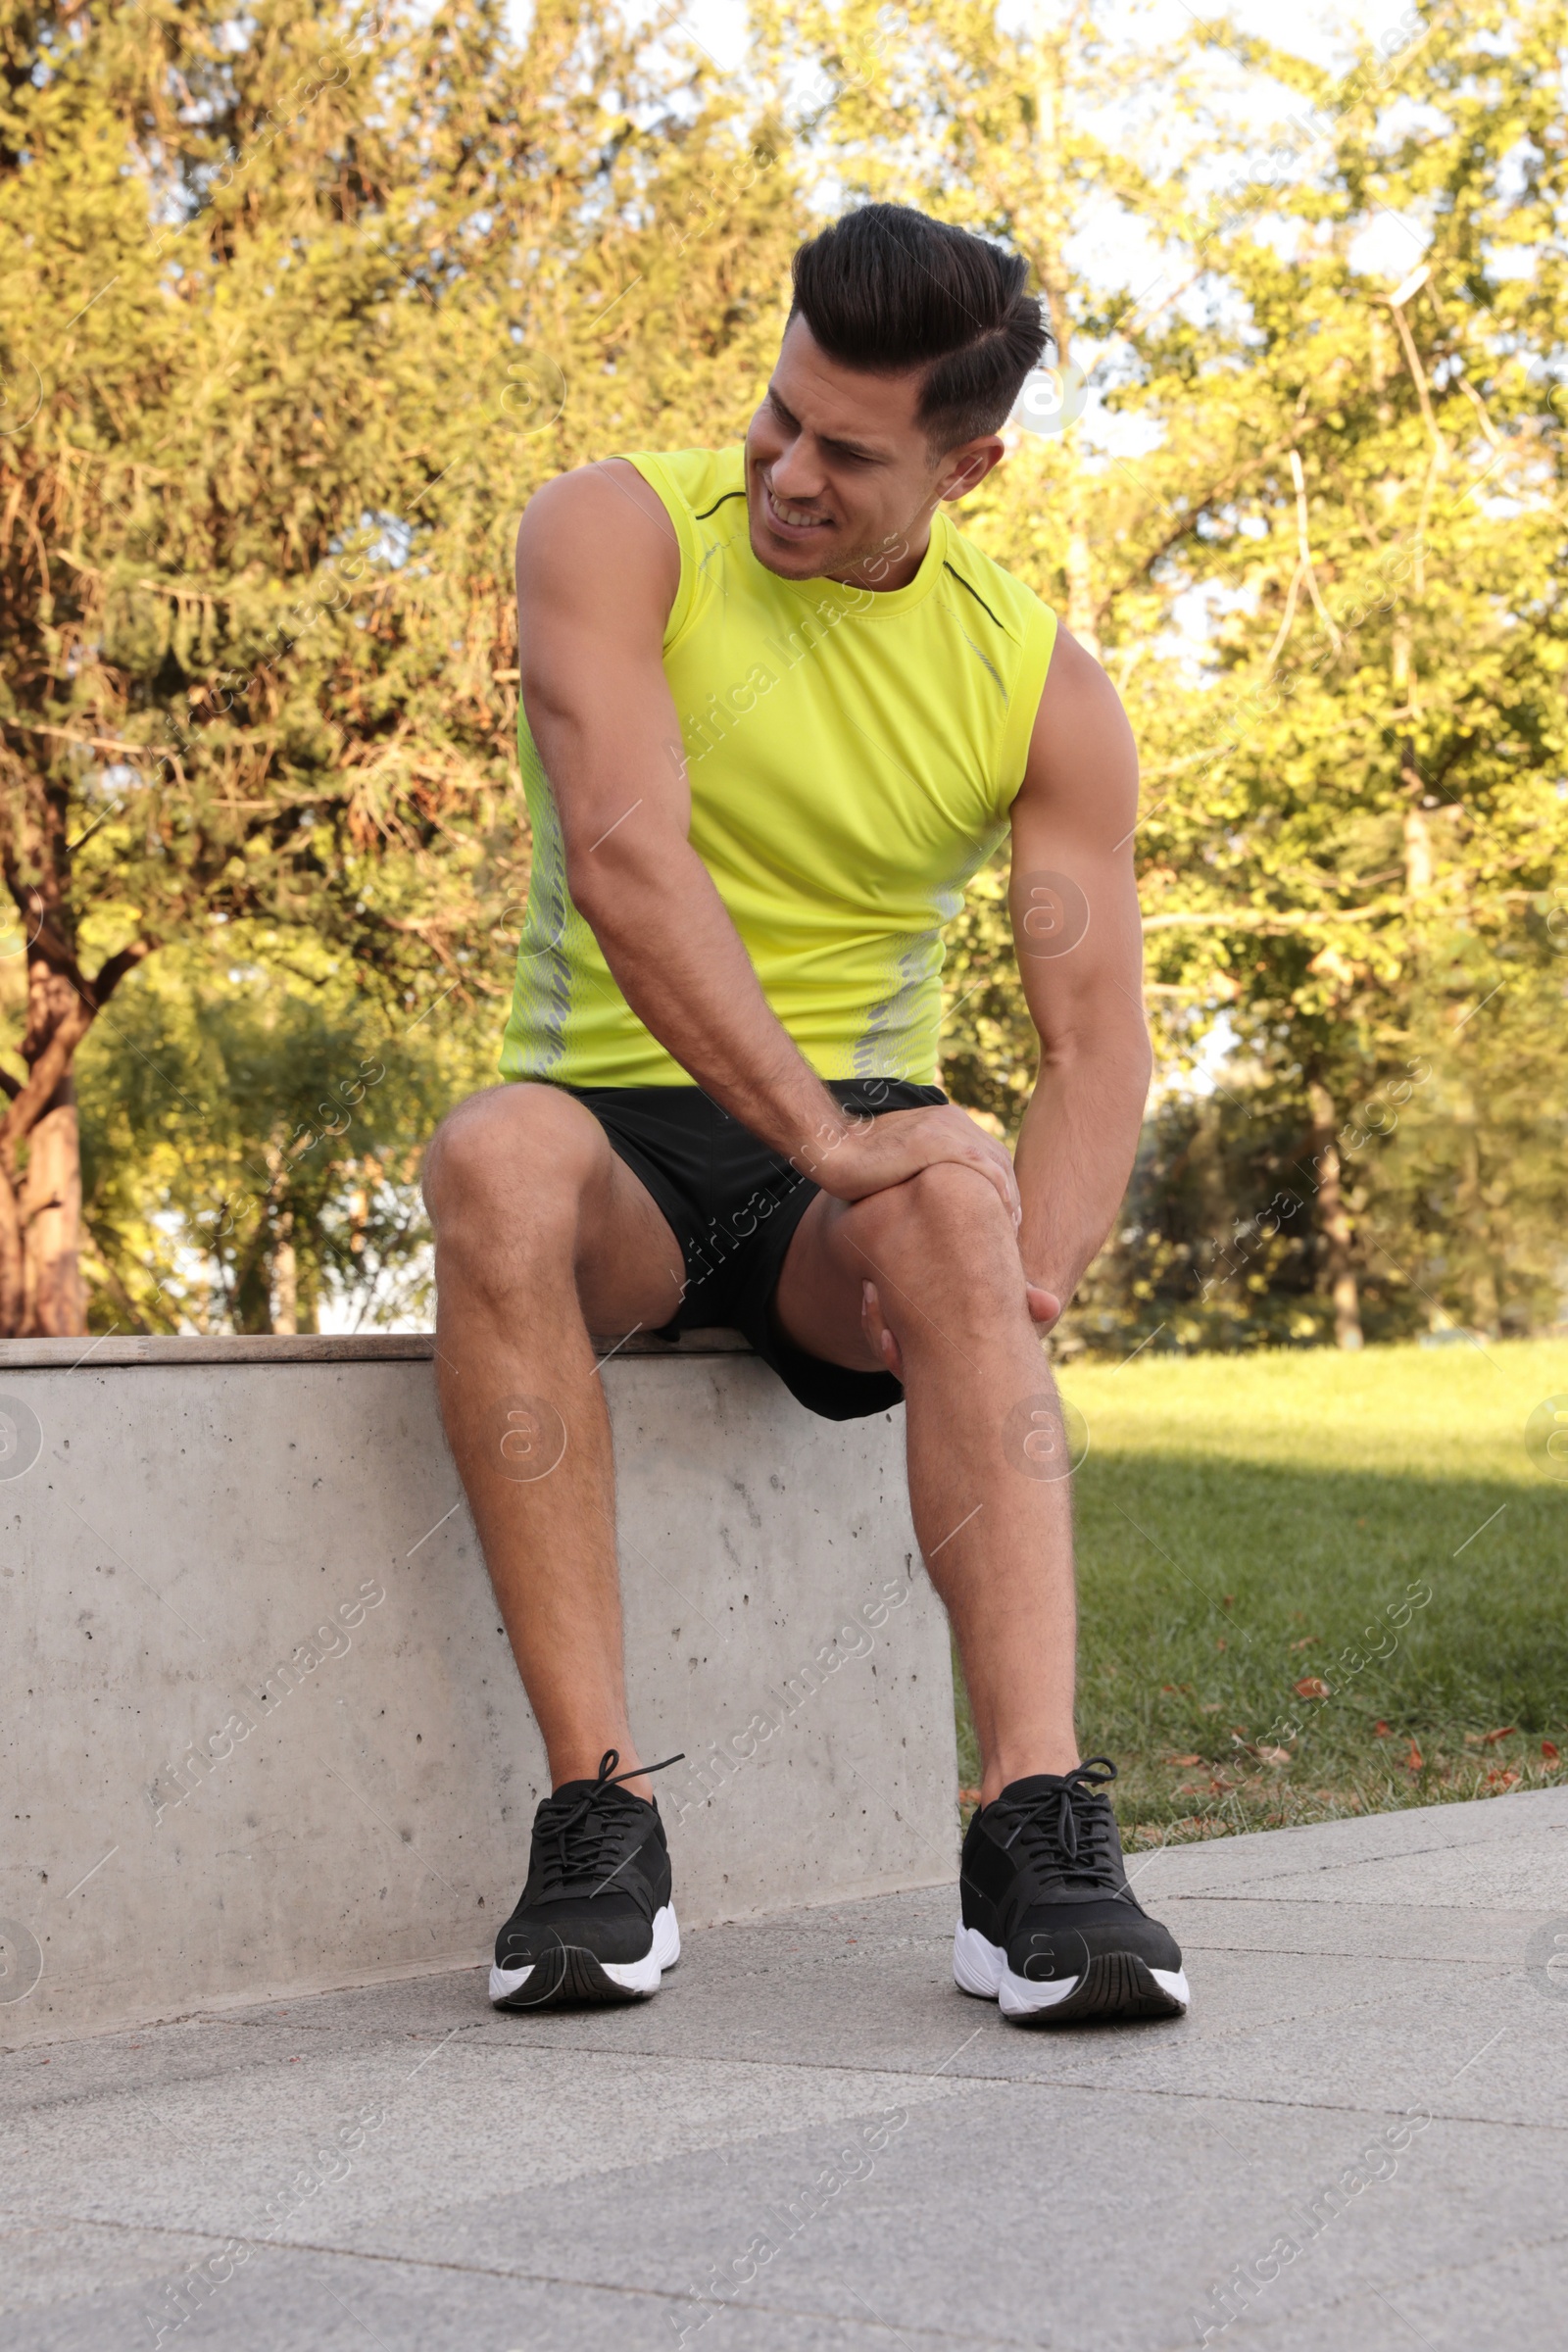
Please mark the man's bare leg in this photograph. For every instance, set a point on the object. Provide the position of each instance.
(1048, 1925)
(543, 1235)
(986, 1450)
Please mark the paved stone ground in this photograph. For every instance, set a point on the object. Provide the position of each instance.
(812, 2129)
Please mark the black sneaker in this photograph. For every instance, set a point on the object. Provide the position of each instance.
(595, 1922)
(1050, 1928)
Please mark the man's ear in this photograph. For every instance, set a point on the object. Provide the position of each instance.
(965, 467)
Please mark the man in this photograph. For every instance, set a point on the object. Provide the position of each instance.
(776, 711)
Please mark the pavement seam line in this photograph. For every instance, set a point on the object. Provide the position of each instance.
(468, 2269)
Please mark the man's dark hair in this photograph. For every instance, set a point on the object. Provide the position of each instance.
(887, 290)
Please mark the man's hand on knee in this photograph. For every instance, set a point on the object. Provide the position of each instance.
(889, 1149)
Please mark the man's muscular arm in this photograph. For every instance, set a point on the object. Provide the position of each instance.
(598, 568)
(1075, 922)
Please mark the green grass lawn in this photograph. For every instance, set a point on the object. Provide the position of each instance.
(1242, 1521)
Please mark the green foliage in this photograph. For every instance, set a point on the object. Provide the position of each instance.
(278, 464)
(1214, 1248)
(303, 304)
(1466, 1204)
(251, 1138)
(1355, 817)
(303, 308)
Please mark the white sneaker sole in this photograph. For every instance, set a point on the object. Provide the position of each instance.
(586, 1977)
(1114, 1984)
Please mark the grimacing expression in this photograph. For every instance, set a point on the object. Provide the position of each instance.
(839, 475)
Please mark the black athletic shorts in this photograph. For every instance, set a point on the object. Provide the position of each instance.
(733, 1206)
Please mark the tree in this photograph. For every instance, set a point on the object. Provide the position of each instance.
(1383, 826)
(1352, 806)
(305, 307)
(296, 1191)
(304, 304)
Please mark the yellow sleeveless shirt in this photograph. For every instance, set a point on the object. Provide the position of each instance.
(853, 756)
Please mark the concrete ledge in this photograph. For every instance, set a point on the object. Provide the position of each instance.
(261, 1730)
(309, 1348)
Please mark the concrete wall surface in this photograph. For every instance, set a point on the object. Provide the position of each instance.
(260, 1726)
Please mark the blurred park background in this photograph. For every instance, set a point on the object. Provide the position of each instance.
(301, 302)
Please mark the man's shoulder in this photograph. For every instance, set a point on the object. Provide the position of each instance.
(578, 537)
(697, 480)
(1011, 605)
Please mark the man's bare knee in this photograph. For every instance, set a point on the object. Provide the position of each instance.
(506, 1172)
(510, 1133)
(944, 1226)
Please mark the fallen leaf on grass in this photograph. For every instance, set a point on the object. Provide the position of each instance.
(1311, 1686)
(1380, 1731)
(1502, 1780)
(1184, 1760)
(968, 1796)
(1308, 1643)
(1275, 1755)
(1491, 1738)
(1550, 1750)
(1412, 1762)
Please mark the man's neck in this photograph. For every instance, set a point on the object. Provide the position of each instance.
(895, 563)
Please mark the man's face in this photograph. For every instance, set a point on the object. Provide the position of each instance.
(838, 473)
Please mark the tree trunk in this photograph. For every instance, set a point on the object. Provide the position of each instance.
(46, 1200)
(309, 1297)
(1484, 1293)
(253, 1284)
(1470, 1216)
(1418, 864)
(1082, 619)
(285, 1281)
(56, 1299)
(1051, 269)
(1082, 612)
(41, 1289)
(13, 1258)
(1334, 1220)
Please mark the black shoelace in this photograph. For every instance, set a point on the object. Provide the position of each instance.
(1067, 1831)
(596, 1831)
